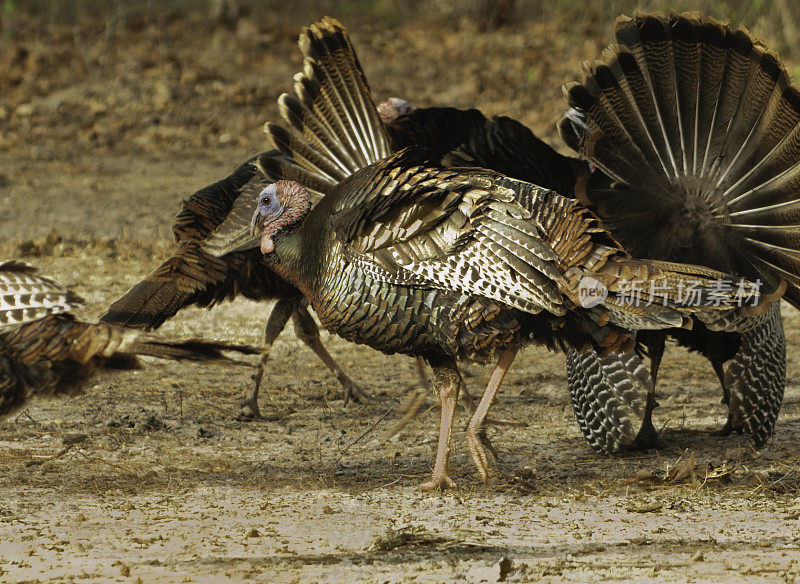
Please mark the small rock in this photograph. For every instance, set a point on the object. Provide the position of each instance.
(506, 565)
(253, 532)
(125, 570)
(698, 556)
(76, 438)
(24, 110)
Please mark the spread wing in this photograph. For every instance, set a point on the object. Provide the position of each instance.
(455, 231)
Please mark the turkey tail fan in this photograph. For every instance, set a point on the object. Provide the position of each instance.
(334, 125)
(25, 296)
(704, 116)
(609, 395)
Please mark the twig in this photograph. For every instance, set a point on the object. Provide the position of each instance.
(366, 432)
(59, 454)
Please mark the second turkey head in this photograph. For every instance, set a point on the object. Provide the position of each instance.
(392, 108)
(280, 205)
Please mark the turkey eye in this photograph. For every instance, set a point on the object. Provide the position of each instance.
(265, 201)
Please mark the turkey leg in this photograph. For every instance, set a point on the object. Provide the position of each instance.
(647, 436)
(475, 426)
(726, 398)
(307, 331)
(281, 312)
(447, 380)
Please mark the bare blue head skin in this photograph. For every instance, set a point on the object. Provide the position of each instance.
(280, 205)
(392, 108)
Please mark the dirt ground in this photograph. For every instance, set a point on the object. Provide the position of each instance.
(150, 478)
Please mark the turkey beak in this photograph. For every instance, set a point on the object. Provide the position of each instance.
(254, 222)
(267, 229)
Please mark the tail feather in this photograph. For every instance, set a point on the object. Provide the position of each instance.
(189, 277)
(25, 296)
(56, 355)
(312, 152)
(188, 350)
(61, 337)
(706, 119)
(328, 43)
(334, 125)
(755, 379)
(649, 43)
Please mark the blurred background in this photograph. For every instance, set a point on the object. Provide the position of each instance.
(132, 99)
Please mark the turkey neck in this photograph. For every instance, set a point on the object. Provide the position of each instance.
(295, 259)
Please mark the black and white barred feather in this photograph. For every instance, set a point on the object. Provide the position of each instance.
(695, 123)
(26, 296)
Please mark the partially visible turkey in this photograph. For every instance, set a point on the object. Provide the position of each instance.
(696, 126)
(46, 352)
(446, 264)
(194, 277)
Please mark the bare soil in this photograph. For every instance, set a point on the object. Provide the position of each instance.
(149, 477)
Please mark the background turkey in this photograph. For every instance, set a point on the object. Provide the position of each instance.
(696, 124)
(46, 352)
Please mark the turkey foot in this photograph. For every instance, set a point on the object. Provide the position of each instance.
(249, 408)
(351, 389)
(728, 429)
(475, 438)
(647, 437)
(415, 400)
(448, 381)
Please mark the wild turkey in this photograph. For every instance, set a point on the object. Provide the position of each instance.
(46, 352)
(694, 126)
(445, 264)
(610, 394)
(193, 277)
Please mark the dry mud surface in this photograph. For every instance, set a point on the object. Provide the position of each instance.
(150, 478)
